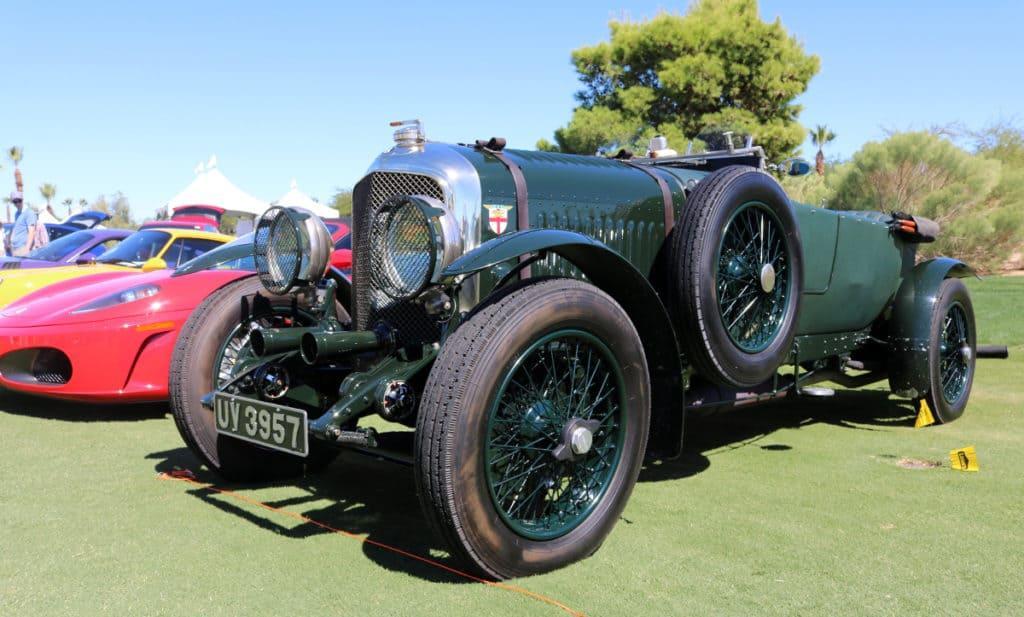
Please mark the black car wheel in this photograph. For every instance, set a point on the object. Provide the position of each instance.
(212, 343)
(952, 351)
(532, 428)
(736, 276)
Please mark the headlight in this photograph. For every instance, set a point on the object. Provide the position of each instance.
(291, 248)
(411, 239)
(131, 294)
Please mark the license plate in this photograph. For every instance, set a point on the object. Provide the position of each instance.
(263, 423)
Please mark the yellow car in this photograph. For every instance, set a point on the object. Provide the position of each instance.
(143, 251)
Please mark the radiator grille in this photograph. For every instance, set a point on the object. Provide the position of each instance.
(372, 305)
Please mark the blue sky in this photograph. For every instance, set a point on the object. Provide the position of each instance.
(130, 97)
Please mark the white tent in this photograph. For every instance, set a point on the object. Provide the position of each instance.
(295, 197)
(212, 188)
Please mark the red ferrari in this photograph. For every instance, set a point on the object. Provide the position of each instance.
(109, 337)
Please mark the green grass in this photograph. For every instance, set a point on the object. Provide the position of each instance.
(795, 508)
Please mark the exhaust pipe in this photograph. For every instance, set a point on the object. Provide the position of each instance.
(269, 341)
(998, 352)
(319, 345)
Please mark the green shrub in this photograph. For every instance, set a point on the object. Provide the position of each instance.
(815, 190)
(978, 199)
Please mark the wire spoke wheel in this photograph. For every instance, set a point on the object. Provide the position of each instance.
(954, 353)
(235, 353)
(214, 346)
(554, 434)
(753, 277)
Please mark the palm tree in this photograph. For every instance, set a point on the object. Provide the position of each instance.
(67, 204)
(83, 203)
(820, 136)
(48, 191)
(15, 153)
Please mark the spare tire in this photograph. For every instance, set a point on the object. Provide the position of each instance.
(735, 276)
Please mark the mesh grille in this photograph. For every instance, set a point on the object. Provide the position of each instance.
(372, 304)
(51, 366)
(400, 249)
(11, 265)
(276, 250)
(50, 378)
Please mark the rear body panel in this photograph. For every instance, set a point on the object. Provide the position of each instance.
(851, 273)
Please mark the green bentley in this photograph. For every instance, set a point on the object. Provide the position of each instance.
(546, 321)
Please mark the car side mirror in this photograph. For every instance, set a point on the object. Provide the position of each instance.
(154, 263)
(85, 260)
(798, 167)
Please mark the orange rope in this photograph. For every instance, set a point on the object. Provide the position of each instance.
(185, 475)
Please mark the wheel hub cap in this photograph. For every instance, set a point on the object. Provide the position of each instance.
(767, 278)
(581, 440)
(273, 381)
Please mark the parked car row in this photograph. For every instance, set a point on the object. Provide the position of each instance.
(83, 220)
(125, 293)
(543, 321)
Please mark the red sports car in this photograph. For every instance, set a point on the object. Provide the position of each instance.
(341, 256)
(109, 337)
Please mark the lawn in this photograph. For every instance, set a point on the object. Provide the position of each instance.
(795, 508)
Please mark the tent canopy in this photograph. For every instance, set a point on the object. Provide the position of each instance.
(295, 197)
(212, 188)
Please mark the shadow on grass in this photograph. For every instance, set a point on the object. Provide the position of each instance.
(365, 496)
(73, 411)
(377, 499)
(709, 434)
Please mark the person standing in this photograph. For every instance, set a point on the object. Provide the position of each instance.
(5, 237)
(23, 234)
(41, 237)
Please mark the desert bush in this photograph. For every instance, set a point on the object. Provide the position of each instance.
(978, 199)
(815, 190)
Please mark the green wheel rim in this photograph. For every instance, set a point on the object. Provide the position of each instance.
(234, 353)
(752, 281)
(954, 353)
(564, 379)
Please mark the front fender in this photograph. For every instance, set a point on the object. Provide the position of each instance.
(910, 324)
(510, 246)
(617, 277)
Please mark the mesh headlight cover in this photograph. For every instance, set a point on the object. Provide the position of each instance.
(402, 247)
(290, 248)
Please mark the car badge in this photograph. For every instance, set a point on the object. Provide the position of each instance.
(497, 217)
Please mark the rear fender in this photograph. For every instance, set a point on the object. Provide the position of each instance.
(614, 275)
(910, 324)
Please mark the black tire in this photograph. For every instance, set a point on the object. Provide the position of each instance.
(191, 377)
(952, 293)
(692, 281)
(452, 425)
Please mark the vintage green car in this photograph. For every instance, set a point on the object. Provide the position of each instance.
(545, 321)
